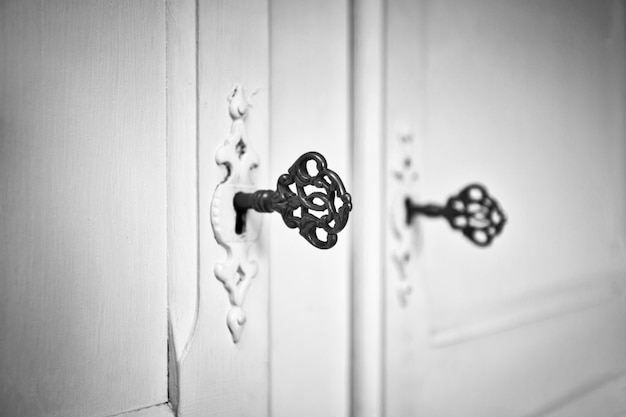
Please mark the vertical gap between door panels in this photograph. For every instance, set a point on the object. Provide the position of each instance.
(270, 126)
(350, 112)
(172, 356)
(356, 396)
(169, 349)
(383, 217)
(197, 155)
(350, 133)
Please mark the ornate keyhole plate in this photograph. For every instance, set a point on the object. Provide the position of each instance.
(237, 271)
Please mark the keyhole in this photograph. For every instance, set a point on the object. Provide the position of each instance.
(240, 221)
(240, 148)
(240, 275)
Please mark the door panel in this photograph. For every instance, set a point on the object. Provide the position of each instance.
(531, 96)
(100, 213)
(216, 376)
(527, 98)
(83, 319)
(306, 324)
(406, 318)
(309, 287)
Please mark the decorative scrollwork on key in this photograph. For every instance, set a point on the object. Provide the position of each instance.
(318, 194)
(472, 211)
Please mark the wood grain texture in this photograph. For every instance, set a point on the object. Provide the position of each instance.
(83, 325)
(309, 287)
(218, 377)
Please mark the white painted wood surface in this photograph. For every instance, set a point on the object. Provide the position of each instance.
(160, 410)
(83, 328)
(368, 220)
(515, 93)
(309, 293)
(216, 376)
(182, 184)
(551, 128)
(529, 99)
(406, 311)
(182, 172)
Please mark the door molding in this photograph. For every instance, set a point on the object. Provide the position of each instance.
(368, 126)
(527, 308)
(182, 184)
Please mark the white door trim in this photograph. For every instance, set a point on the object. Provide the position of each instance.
(368, 58)
(182, 186)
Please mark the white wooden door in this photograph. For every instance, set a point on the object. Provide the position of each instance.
(83, 289)
(309, 288)
(110, 119)
(291, 58)
(529, 99)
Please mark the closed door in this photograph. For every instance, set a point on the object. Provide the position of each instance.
(111, 118)
(527, 98)
(291, 61)
(83, 271)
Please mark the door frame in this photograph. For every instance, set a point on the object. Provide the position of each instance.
(369, 218)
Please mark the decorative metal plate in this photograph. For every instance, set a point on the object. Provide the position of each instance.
(237, 271)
